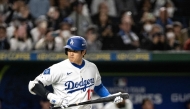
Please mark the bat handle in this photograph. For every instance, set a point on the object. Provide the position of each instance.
(115, 94)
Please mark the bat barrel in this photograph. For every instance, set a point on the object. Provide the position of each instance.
(125, 95)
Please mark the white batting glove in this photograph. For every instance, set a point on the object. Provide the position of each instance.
(57, 101)
(118, 99)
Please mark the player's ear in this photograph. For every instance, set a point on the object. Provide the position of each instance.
(83, 52)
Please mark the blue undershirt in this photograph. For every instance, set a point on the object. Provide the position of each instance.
(79, 66)
(101, 90)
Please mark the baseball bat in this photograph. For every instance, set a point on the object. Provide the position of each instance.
(99, 100)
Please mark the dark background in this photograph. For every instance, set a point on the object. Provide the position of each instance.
(14, 84)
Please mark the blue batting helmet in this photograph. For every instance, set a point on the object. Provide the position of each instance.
(76, 43)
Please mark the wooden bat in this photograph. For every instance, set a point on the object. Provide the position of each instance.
(99, 100)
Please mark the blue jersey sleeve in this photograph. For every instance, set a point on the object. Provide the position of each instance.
(101, 90)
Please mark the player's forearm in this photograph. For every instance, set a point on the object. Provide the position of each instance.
(38, 88)
(101, 90)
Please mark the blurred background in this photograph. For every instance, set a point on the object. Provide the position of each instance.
(140, 47)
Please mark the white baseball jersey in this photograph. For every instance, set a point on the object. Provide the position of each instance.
(69, 82)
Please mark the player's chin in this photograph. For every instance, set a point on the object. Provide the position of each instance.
(71, 60)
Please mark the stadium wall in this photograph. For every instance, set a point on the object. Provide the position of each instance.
(161, 76)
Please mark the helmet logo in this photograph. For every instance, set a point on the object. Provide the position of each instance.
(83, 44)
(72, 42)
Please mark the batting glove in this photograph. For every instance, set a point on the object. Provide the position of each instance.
(57, 101)
(118, 99)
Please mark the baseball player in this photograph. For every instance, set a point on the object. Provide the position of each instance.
(73, 79)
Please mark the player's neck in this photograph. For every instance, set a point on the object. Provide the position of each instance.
(79, 66)
(78, 63)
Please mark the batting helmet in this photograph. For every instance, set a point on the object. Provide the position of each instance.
(76, 43)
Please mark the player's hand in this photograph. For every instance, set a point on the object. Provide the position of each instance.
(118, 99)
(57, 101)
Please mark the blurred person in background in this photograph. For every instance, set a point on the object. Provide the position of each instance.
(157, 6)
(135, 27)
(186, 34)
(92, 39)
(159, 42)
(129, 38)
(66, 29)
(105, 26)
(14, 10)
(187, 44)
(156, 29)
(64, 7)
(126, 5)
(44, 103)
(4, 5)
(164, 3)
(4, 43)
(51, 42)
(54, 18)
(145, 6)
(85, 7)
(187, 104)
(186, 31)
(39, 30)
(147, 22)
(11, 28)
(2, 19)
(147, 104)
(146, 42)
(163, 19)
(104, 23)
(21, 40)
(170, 36)
(38, 7)
(24, 13)
(170, 8)
(80, 21)
(177, 27)
(156, 39)
(102, 11)
(21, 16)
(108, 39)
(111, 7)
